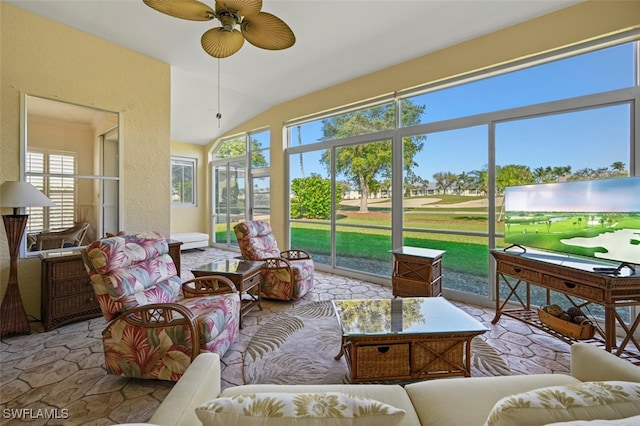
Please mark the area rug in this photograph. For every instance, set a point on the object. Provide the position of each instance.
(299, 346)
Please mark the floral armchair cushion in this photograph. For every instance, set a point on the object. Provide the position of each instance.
(277, 283)
(132, 270)
(256, 240)
(290, 278)
(166, 352)
(154, 331)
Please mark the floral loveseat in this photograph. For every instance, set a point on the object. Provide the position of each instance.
(156, 324)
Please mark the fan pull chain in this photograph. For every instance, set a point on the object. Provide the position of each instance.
(218, 115)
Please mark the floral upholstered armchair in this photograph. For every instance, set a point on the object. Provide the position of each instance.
(156, 324)
(287, 274)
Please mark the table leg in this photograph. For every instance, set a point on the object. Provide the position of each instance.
(341, 353)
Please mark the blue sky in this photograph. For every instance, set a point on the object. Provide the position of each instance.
(584, 139)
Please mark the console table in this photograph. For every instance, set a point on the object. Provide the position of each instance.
(575, 279)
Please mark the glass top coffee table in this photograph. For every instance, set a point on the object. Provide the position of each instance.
(409, 338)
(245, 274)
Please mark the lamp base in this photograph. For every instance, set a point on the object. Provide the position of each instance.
(13, 318)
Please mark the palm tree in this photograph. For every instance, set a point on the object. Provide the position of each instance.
(618, 168)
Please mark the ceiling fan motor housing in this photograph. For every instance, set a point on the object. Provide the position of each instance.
(228, 18)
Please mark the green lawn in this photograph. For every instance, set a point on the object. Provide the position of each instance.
(467, 254)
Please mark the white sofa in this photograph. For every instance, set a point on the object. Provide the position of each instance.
(454, 402)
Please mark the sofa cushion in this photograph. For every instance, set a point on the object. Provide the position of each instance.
(301, 409)
(439, 402)
(584, 401)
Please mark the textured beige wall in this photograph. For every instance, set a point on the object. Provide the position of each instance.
(193, 219)
(47, 59)
(572, 25)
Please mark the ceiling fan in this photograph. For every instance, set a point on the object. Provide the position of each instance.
(261, 29)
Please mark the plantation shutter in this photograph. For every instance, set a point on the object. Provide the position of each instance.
(53, 174)
(62, 190)
(35, 164)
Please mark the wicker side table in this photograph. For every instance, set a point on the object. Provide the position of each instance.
(67, 294)
(417, 272)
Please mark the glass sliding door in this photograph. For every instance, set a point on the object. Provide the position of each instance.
(445, 205)
(310, 205)
(363, 218)
(229, 196)
(345, 222)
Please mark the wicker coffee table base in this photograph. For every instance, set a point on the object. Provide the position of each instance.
(407, 357)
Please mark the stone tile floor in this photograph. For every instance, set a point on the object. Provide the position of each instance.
(59, 373)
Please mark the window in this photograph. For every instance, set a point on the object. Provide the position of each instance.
(183, 181)
(230, 148)
(353, 122)
(259, 148)
(72, 154)
(53, 174)
(437, 182)
(241, 183)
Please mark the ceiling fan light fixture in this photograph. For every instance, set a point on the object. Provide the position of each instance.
(228, 19)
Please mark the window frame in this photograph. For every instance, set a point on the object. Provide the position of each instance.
(185, 162)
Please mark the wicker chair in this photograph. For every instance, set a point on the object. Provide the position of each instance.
(287, 274)
(157, 325)
(70, 237)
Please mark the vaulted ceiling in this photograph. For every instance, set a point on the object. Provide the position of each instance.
(336, 40)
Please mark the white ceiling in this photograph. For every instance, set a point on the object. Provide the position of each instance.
(336, 40)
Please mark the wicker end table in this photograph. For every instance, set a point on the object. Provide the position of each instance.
(412, 338)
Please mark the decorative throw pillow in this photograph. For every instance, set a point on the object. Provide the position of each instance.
(300, 409)
(628, 421)
(581, 401)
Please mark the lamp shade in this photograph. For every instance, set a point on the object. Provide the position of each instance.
(22, 194)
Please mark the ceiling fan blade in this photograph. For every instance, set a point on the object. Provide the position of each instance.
(192, 10)
(220, 43)
(243, 7)
(267, 32)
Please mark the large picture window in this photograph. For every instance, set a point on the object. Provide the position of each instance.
(438, 180)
